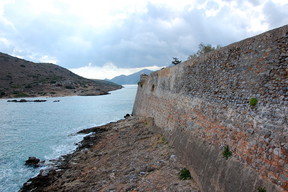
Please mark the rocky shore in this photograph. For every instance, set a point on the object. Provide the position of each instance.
(128, 155)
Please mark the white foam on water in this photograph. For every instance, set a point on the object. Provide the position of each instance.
(68, 147)
(13, 178)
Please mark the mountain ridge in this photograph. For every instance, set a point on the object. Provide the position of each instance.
(129, 79)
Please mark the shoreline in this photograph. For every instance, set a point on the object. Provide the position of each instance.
(62, 95)
(125, 155)
(49, 97)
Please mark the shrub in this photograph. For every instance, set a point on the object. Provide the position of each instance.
(176, 61)
(69, 87)
(140, 84)
(28, 86)
(184, 174)
(227, 153)
(261, 189)
(203, 48)
(21, 94)
(15, 86)
(164, 141)
(253, 102)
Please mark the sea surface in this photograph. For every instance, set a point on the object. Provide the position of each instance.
(47, 130)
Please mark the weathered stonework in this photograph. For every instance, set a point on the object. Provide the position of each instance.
(203, 105)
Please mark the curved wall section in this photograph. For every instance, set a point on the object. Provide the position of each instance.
(202, 105)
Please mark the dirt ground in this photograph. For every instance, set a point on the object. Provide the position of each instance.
(124, 156)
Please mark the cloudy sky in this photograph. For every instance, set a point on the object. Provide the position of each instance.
(102, 39)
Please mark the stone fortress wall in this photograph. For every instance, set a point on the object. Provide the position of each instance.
(202, 105)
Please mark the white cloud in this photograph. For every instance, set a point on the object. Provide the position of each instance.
(2, 4)
(42, 7)
(5, 42)
(3, 20)
(77, 42)
(33, 57)
(109, 70)
(47, 59)
(280, 2)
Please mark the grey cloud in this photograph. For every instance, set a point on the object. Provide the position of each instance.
(143, 39)
(276, 15)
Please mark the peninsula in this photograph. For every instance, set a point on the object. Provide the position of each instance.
(21, 78)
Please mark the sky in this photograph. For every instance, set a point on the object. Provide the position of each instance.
(103, 39)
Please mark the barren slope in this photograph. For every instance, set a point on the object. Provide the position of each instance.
(21, 78)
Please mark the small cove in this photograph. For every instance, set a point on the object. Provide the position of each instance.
(47, 130)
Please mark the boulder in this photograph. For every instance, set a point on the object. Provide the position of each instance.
(39, 100)
(32, 161)
(14, 100)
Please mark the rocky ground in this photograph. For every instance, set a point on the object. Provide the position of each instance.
(124, 156)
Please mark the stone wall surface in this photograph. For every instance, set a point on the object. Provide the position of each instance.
(202, 105)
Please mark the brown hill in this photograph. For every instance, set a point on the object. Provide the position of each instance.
(21, 78)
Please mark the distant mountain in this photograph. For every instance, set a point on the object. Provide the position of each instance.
(21, 78)
(130, 79)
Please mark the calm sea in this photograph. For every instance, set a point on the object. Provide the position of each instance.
(47, 130)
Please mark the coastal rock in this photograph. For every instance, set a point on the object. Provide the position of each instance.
(32, 161)
(126, 116)
(25, 101)
(39, 100)
(14, 100)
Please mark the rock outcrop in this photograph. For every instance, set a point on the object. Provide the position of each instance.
(33, 161)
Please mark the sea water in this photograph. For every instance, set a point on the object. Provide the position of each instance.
(47, 130)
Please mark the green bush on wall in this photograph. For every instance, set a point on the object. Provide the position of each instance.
(261, 189)
(227, 153)
(253, 102)
(140, 84)
(184, 174)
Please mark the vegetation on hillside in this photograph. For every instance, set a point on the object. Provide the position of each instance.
(176, 61)
(21, 78)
